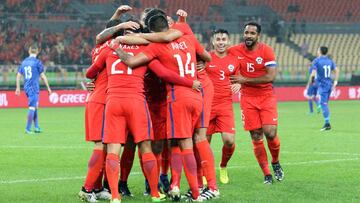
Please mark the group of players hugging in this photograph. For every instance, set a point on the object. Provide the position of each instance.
(155, 87)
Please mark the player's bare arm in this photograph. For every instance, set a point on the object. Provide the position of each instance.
(336, 72)
(268, 77)
(44, 78)
(182, 15)
(131, 39)
(18, 78)
(131, 61)
(312, 75)
(119, 11)
(166, 36)
(108, 32)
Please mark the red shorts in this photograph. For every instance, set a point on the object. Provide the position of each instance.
(123, 115)
(94, 116)
(182, 117)
(158, 118)
(222, 119)
(207, 94)
(258, 111)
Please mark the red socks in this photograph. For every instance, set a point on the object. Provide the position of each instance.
(274, 147)
(261, 156)
(95, 170)
(190, 171)
(207, 163)
(227, 152)
(165, 163)
(150, 169)
(175, 166)
(112, 172)
(126, 163)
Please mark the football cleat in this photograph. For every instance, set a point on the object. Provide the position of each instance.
(174, 193)
(318, 109)
(28, 132)
(208, 194)
(327, 126)
(191, 199)
(124, 190)
(115, 201)
(161, 198)
(147, 188)
(224, 178)
(268, 180)
(278, 171)
(38, 130)
(165, 184)
(103, 194)
(87, 196)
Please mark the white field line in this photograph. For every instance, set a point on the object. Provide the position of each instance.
(215, 151)
(3, 182)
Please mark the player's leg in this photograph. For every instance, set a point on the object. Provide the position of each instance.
(165, 165)
(190, 167)
(113, 169)
(273, 142)
(176, 166)
(36, 121)
(269, 118)
(126, 163)
(32, 103)
(324, 102)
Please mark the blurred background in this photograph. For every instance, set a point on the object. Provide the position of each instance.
(65, 30)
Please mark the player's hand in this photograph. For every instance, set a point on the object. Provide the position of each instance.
(196, 85)
(238, 79)
(114, 44)
(181, 13)
(49, 91)
(235, 88)
(334, 86)
(90, 86)
(17, 92)
(123, 9)
(129, 25)
(200, 66)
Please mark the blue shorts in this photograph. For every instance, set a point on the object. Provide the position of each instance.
(324, 93)
(33, 100)
(312, 90)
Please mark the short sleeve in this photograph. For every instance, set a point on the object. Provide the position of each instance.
(151, 51)
(40, 66)
(269, 57)
(198, 47)
(333, 65)
(21, 69)
(313, 65)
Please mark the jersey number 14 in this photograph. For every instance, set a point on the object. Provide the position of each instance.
(189, 67)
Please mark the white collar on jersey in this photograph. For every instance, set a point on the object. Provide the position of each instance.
(33, 55)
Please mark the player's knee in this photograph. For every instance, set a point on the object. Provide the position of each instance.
(256, 134)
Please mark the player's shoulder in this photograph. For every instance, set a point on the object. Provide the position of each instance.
(183, 27)
(264, 46)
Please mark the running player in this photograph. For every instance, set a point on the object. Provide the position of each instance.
(32, 69)
(322, 67)
(222, 66)
(258, 102)
(311, 93)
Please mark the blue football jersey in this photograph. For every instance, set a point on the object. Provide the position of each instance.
(323, 66)
(31, 68)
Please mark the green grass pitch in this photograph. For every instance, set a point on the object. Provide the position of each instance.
(319, 166)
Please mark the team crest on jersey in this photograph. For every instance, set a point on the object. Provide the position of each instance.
(259, 60)
(231, 67)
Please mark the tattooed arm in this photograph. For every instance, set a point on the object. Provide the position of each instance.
(109, 32)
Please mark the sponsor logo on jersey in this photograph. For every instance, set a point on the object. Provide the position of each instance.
(240, 57)
(212, 66)
(259, 60)
(231, 67)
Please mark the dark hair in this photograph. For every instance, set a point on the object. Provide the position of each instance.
(220, 31)
(324, 50)
(155, 20)
(112, 23)
(257, 25)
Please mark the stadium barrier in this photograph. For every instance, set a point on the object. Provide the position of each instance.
(63, 98)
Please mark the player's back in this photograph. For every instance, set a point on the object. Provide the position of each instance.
(122, 80)
(179, 56)
(31, 68)
(323, 66)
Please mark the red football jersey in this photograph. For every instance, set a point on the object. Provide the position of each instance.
(253, 64)
(179, 56)
(99, 95)
(155, 88)
(122, 80)
(182, 27)
(219, 71)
